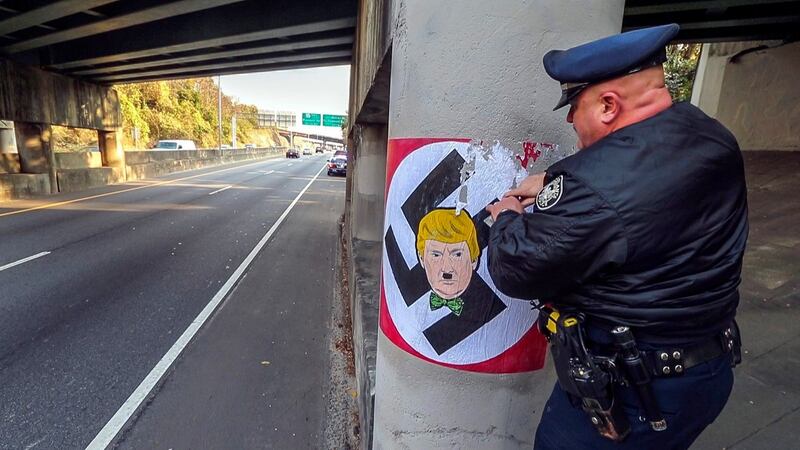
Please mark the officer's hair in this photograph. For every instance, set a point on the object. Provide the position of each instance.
(444, 225)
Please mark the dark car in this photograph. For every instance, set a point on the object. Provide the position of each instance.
(337, 166)
(292, 153)
(319, 150)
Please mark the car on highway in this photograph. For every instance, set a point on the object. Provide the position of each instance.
(337, 166)
(292, 153)
(340, 154)
(175, 144)
(319, 150)
(307, 151)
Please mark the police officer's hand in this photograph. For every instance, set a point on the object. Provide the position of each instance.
(507, 203)
(527, 191)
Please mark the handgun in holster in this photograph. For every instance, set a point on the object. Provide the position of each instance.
(580, 374)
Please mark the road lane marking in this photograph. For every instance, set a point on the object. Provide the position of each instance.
(23, 261)
(92, 197)
(220, 190)
(132, 404)
(269, 172)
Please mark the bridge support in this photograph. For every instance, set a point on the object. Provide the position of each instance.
(110, 143)
(34, 100)
(474, 72)
(35, 151)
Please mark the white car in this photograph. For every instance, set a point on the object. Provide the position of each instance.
(307, 151)
(175, 144)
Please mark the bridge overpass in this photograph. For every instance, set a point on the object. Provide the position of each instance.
(113, 41)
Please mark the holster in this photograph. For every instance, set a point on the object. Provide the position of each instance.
(582, 376)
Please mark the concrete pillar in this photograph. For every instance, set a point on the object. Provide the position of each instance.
(35, 152)
(474, 71)
(368, 182)
(110, 143)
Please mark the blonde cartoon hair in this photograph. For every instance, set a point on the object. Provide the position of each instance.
(444, 225)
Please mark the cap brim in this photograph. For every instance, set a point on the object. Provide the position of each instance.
(568, 95)
(562, 102)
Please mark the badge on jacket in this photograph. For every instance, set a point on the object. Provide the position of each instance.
(550, 194)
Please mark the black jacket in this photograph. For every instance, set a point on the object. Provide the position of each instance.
(647, 230)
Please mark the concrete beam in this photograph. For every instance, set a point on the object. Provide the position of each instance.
(669, 7)
(47, 13)
(342, 60)
(216, 56)
(33, 95)
(229, 65)
(115, 23)
(235, 24)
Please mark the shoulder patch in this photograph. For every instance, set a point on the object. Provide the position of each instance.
(550, 193)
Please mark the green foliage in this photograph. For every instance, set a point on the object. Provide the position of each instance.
(182, 109)
(680, 68)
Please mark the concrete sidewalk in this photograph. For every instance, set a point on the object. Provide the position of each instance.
(763, 411)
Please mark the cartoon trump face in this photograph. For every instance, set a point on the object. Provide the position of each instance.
(447, 245)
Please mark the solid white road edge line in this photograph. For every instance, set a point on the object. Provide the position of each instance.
(220, 190)
(29, 258)
(124, 413)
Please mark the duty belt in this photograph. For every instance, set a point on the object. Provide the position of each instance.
(673, 361)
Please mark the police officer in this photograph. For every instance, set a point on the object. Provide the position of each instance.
(644, 227)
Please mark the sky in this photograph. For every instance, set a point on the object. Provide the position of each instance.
(324, 90)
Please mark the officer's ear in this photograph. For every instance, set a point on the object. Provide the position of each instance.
(611, 104)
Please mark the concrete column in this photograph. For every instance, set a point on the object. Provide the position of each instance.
(35, 151)
(474, 71)
(369, 182)
(110, 143)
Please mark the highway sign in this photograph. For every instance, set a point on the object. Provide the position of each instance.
(311, 119)
(333, 120)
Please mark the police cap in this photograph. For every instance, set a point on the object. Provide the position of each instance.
(607, 58)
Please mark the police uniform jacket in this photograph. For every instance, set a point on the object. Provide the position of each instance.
(645, 228)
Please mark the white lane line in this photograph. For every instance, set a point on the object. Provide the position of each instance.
(269, 172)
(220, 190)
(289, 164)
(131, 405)
(23, 260)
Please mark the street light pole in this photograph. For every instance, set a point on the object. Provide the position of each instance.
(219, 112)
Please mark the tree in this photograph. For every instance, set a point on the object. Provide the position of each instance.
(680, 68)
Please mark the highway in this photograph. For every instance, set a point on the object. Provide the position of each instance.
(188, 311)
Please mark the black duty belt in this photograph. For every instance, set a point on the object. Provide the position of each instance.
(673, 361)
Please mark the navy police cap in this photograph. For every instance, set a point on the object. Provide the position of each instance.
(607, 58)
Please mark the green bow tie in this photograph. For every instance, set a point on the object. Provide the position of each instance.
(456, 305)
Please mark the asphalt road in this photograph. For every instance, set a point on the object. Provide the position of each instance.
(120, 276)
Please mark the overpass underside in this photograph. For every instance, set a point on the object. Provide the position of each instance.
(113, 41)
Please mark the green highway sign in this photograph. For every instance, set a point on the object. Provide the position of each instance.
(332, 120)
(311, 119)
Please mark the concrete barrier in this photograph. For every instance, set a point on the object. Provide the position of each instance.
(83, 170)
(74, 180)
(78, 160)
(23, 185)
(150, 163)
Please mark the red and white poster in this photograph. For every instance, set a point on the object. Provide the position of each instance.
(438, 301)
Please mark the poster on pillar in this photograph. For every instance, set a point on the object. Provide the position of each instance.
(438, 301)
